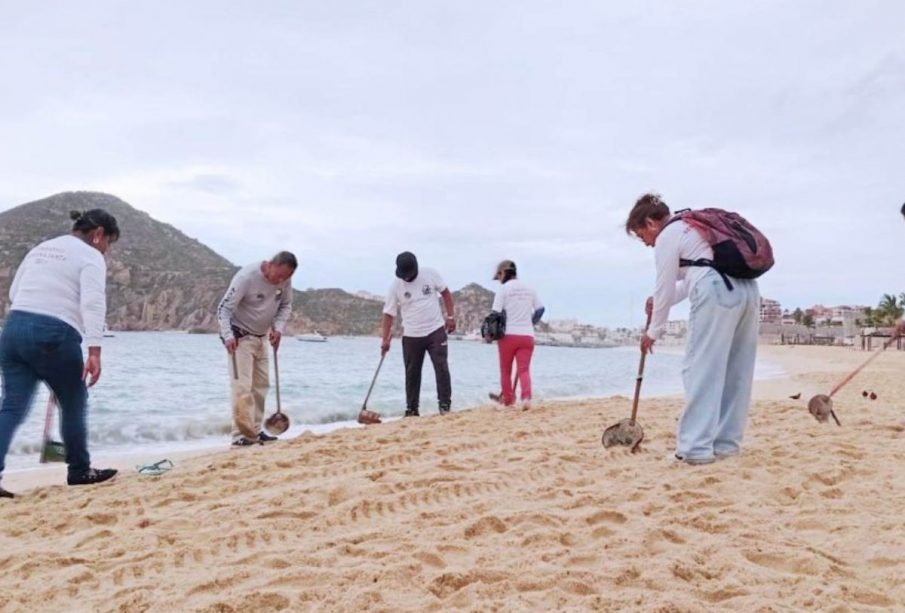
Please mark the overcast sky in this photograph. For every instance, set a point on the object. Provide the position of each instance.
(469, 132)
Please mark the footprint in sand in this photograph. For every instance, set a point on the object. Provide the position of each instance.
(431, 559)
(783, 563)
(484, 526)
(611, 517)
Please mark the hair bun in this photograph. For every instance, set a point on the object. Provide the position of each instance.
(75, 215)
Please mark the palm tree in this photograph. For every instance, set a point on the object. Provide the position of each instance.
(870, 318)
(890, 309)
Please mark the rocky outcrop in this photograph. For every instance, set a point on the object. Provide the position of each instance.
(473, 303)
(161, 279)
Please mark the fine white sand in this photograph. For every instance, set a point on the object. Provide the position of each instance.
(489, 510)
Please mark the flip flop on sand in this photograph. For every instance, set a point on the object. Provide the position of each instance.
(157, 468)
(367, 416)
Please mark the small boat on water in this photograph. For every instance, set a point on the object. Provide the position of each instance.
(312, 337)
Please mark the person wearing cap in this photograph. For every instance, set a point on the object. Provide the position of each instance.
(523, 311)
(416, 294)
(58, 299)
(256, 306)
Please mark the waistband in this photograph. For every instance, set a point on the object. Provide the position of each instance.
(242, 332)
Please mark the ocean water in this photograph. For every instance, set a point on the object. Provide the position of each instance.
(167, 391)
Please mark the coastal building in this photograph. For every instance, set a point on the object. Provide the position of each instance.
(677, 327)
(562, 325)
(770, 310)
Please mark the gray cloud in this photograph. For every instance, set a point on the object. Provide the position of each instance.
(469, 132)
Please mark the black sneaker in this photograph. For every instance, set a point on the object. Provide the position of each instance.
(412, 413)
(245, 442)
(263, 437)
(5, 494)
(444, 409)
(91, 476)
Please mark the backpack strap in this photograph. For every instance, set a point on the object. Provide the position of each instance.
(709, 264)
(677, 216)
(699, 262)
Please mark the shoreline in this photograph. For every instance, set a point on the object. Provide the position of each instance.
(24, 479)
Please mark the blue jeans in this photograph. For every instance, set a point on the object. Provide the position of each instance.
(41, 348)
(719, 366)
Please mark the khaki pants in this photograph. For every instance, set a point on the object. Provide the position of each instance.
(249, 390)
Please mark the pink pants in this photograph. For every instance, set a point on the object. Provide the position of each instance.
(520, 348)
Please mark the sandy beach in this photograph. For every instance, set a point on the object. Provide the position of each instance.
(487, 510)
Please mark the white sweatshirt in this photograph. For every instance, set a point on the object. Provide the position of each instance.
(675, 241)
(65, 278)
(520, 302)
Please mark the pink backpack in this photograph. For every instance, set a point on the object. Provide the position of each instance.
(739, 249)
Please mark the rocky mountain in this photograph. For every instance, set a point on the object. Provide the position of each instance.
(161, 279)
(473, 303)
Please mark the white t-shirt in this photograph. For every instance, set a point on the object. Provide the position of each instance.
(675, 241)
(520, 302)
(65, 278)
(419, 301)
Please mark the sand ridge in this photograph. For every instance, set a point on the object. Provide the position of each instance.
(498, 511)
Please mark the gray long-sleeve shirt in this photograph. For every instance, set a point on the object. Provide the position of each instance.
(254, 304)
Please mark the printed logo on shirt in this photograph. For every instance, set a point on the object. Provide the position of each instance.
(260, 296)
(426, 290)
(407, 295)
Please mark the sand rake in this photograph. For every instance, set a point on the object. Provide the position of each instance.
(821, 405)
(51, 450)
(366, 416)
(628, 433)
(278, 422)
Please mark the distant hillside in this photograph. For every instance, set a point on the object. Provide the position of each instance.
(473, 303)
(160, 279)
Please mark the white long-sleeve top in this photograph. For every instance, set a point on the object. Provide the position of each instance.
(520, 302)
(65, 278)
(676, 241)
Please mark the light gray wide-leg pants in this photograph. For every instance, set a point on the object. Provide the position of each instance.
(718, 368)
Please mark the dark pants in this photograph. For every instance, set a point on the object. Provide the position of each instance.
(40, 348)
(413, 349)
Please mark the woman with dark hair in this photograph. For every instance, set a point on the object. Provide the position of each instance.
(523, 310)
(723, 323)
(57, 296)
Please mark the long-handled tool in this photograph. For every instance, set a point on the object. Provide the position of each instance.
(365, 415)
(627, 432)
(499, 397)
(279, 421)
(51, 450)
(821, 405)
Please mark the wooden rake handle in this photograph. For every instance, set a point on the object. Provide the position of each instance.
(640, 376)
(276, 372)
(854, 373)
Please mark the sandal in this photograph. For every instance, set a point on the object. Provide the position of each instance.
(366, 416)
(157, 468)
